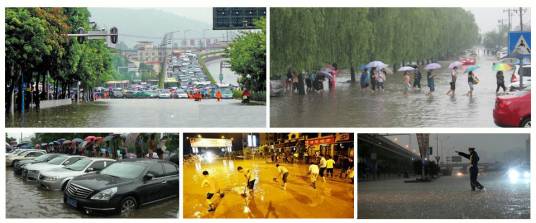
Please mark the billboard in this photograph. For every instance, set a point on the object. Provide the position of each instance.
(224, 18)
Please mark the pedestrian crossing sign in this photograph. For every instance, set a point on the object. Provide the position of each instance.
(519, 43)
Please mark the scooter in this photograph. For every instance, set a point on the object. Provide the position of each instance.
(245, 99)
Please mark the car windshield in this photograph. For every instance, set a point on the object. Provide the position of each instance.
(128, 170)
(79, 165)
(225, 91)
(58, 160)
(42, 158)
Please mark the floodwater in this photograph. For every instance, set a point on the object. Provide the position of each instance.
(332, 199)
(146, 113)
(27, 200)
(348, 106)
(447, 197)
(229, 76)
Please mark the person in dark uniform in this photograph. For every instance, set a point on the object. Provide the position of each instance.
(473, 170)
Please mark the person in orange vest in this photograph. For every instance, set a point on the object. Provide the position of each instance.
(218, 95)
(198, 96)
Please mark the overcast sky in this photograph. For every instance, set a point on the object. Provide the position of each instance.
(487, 18)
(490, 147)
(199, 14)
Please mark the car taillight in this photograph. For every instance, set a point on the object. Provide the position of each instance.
(500, 103)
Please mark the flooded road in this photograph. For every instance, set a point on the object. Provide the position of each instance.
(229, 76)
(26, 200)
(347, 106)
(174, 113)
(332, 199)
(447, 197)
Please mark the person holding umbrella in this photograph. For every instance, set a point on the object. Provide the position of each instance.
(417, 77)
(454, 77)
(500, 82)
(430, 76)
(472, 79)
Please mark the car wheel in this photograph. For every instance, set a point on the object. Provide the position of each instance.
(128, 204)
(14, 163)
(526, 123)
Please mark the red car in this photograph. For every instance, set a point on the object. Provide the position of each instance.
(513, 110)
(468, 60)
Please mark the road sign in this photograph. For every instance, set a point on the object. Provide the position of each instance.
(519, 44)
(236, 18)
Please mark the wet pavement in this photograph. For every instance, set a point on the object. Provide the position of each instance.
(333, 199)
(146, 113)
(348, 106)
(446, 197)
(27, 200)
(229, 76)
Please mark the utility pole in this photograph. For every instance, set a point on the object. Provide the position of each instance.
(509, 11)
(520, 11)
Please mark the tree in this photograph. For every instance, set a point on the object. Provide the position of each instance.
(247, 55)
(306, 38)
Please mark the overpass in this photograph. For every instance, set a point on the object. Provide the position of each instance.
(379, 156)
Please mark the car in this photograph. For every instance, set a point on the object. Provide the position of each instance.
(468, 60)
(226, 93)
(117, 93)
(57, 178)
(17, 168)
(164, 94)
(276, 88)
(31, 172)
(513, 110)
(26, 155)
(141, 94)
(524, 72)
(123, 186)
(519, 172)
(181, 93)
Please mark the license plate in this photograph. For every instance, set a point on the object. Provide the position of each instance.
(72, 202)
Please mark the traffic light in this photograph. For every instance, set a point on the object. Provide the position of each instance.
(113, 35)
(81, 39)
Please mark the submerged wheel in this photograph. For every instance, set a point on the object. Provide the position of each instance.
(128, 204)
(526, 123)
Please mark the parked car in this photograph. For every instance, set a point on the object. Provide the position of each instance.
(31, 172)
(524, 72)
(513, 110)
(164, 94)
(57, 178)
(17, 168)
(123, 186)
(25, 155)
(181, 93)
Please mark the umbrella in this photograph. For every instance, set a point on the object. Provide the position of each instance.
(432, 66)
(77, 140)
(406, 68)
(67, 142)
(471, 68)
(56, 142)
(456, 64)
(414, 66)
(502, 67)
(362, 67)
(376, 63)
(44, 144)
(90, 138)
(108, 138)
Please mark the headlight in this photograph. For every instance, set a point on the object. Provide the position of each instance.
(513, 174)
(47, 178)
(105, 194)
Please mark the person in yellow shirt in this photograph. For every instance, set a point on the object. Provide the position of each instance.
(329, 166)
